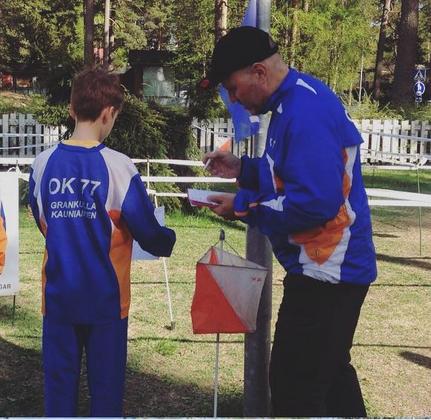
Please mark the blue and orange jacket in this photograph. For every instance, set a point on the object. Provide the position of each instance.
(90, 203)
(306, 191)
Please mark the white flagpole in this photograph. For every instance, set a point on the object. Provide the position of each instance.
(168, 294)
(165, 269)
(216, 369)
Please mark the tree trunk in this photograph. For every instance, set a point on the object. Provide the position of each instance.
(377, 85)
(402, 89)
(88, 32)
(294, 33)
(220, 8)
(106, 49)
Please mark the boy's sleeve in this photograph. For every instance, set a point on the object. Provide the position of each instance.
(32, 200)
(138, 212)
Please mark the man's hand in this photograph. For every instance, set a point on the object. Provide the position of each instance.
(223, 164)
(224, 206)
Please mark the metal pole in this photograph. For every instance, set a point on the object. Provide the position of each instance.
(258, 345)
(13, 309)
(420, 212)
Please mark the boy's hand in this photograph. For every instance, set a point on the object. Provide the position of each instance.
(224, 205)
(223, 164)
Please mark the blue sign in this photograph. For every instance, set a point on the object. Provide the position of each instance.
(419, 88)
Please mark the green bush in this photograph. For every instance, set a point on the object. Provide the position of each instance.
(369, 108)
(48, 114)
(19, 103)
(154, 131)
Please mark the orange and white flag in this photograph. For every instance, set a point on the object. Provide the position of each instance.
(227, 293)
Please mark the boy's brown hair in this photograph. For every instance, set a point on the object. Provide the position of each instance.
(92, 91)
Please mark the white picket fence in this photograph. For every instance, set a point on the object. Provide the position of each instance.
(394, 141)
(21, 135)
(385, 141)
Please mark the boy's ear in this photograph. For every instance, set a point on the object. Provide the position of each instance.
(104, 114)
(72, 112)
(109, 111)
(113, 111)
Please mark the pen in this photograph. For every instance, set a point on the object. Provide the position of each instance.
(207, 163)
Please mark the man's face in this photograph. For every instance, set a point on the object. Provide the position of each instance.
(247, 88)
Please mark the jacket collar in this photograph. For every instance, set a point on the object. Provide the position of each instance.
(275, 99)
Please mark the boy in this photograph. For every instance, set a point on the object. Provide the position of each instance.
(89, 203)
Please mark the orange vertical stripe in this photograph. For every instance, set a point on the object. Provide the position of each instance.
(121, 256)
(45, 261)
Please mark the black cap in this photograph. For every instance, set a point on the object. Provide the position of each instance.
(239, 48)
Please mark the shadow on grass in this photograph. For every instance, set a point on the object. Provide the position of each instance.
(21, 381)
(21, 385)
(399, 285)
(211, 340)
(411, 261)
(393, 346)
(385, 235)
(150, 396)
(419, 359)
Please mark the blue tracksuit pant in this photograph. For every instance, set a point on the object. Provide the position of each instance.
(105, 347)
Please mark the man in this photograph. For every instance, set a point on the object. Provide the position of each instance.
(306, 194)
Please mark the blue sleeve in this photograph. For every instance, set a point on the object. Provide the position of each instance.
(249, 176)
(32, 201)
(311, 167)
(138, 212)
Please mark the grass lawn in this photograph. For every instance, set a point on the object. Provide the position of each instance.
(170, 373)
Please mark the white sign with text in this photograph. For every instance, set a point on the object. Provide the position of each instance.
(9, 242)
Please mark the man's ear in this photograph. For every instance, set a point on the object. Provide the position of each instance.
(260, 70)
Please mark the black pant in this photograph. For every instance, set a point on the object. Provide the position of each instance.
(310, 371)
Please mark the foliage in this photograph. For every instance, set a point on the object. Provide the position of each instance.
(54, 115)
(20, 103)
(194, 36)
(39, 37)
(334, 37)
(156, 132)
(369, 108)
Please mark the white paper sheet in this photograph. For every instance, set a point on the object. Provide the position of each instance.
(137, 252)
(200, 197)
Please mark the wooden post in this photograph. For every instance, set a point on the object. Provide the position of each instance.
(106, 43)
